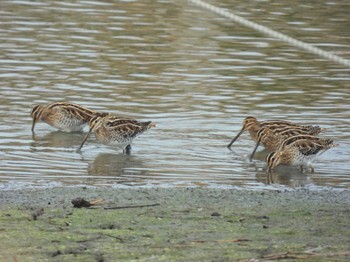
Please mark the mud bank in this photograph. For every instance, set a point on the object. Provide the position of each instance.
(175, 224)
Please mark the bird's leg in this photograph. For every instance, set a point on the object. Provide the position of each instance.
(127, 149)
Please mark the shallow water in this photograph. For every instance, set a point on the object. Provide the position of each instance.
(197, 75)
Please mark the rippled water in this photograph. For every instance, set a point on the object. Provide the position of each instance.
(197, 75)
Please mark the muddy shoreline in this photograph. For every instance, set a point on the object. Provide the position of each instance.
(176, 224)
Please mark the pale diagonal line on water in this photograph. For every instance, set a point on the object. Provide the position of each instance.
(265, 30)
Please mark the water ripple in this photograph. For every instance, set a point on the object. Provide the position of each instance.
(196, 75)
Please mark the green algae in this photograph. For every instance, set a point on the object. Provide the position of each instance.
(186, 226)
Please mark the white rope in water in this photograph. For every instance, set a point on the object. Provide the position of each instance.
(275, 34)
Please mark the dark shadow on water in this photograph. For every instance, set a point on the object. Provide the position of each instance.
(283, 175)
(56, 139)
(289, 176)
(118, 165)
(260, 155)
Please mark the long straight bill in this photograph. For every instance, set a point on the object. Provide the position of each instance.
(235, 138)
(85, 138)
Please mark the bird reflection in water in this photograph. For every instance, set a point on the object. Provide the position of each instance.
(287, 176)
(126, 168)
(57, 139)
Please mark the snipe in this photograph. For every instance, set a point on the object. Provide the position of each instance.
(65, 116)
(271, 137)
(119, 132)
(252, 125)
(299, 150)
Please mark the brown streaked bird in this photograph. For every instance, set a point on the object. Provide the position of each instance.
(272, 136)
(252, 125)
(299, 150)
(64, 116)
(120, 132)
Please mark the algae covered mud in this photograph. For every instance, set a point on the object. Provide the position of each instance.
(175, 224)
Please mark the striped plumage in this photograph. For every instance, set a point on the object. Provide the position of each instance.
(272, 136)
(115, 131)
(64, 116)
(299, 150)
(252, 125)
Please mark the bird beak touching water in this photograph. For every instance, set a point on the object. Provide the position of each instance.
(85, 138)
(235, 138)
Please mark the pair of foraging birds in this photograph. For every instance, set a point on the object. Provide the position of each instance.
(109, 129)
(292, 144)
(289, 143)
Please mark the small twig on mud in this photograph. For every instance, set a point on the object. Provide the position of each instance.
(90, 239)
(223, 240)
(121, 207)
(215, 241)
(115, 237)
(296, 255)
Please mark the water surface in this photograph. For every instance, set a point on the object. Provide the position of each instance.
(197, 75)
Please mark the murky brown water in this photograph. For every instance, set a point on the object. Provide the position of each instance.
(194, 73)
